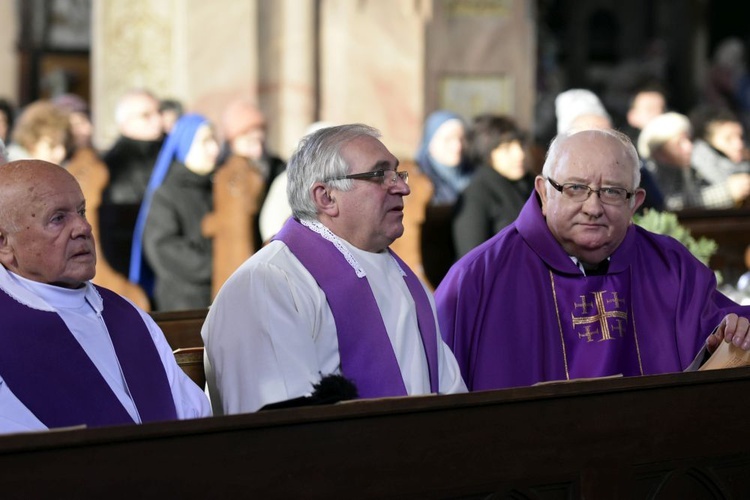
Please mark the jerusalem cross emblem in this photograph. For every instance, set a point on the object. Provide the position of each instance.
(604, 315)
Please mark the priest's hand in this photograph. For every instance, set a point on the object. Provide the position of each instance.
(732, 329)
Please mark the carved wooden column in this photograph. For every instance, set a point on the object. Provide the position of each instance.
(237, 189)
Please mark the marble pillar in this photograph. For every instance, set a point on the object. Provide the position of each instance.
(372, 67)
(206, 54)
(386, 63)
(9, 31)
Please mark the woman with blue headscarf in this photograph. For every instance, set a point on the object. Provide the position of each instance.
(442, 158)
(170, 257)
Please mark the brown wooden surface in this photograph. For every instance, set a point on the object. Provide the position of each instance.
(409, 245)
(678, 436)
(237, 191)
(190, 359)
(730, 229)
(181, 328)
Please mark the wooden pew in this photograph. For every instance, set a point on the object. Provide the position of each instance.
(182, 328)
(183, 332)
(672, 436)
(730, 228)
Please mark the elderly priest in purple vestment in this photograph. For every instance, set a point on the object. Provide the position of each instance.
(327, 297)
(573, 289)
(73, 353)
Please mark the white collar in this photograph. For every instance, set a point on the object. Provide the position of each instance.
(46, 297)
(342, 246)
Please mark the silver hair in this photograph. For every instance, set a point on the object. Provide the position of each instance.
(554, 153)
(3, 153)
(317, 159)
(660, 130)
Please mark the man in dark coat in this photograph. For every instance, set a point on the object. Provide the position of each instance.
(130, 162)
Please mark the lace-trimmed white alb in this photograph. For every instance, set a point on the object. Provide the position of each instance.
(326, 233)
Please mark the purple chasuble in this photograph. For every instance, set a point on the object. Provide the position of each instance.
(365, 350)
(516, 310)
(50, 373)
(598, 334)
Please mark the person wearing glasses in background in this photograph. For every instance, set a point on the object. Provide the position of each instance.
(326, 297)
(573, 289)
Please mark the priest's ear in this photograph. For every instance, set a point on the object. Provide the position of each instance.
(324, 199)
(6, 250)
(540, 186)
(639, 196)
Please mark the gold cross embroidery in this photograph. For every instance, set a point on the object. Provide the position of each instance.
(588, 334)
(583, 305)
(601, 317)
(618, 327)
(616, 300)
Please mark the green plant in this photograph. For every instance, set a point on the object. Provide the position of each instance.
(667, 223)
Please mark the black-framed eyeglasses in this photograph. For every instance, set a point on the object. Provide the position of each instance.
(581, 192)
(382, 176)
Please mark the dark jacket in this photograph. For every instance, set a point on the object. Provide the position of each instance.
(488, 204)
(129, 163)
(173, 244)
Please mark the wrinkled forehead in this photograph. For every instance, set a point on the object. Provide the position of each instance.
(367, 153)
(35, 185)
(588, 155)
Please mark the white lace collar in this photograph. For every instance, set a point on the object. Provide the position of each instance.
(326, 233)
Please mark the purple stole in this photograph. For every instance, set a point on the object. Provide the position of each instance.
(50, 373)
(366, 353)
(596, 324)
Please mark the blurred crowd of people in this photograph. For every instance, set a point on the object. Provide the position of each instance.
(159, 180)
(482, 167)
(160, 169)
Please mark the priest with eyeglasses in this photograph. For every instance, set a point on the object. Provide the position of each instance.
(573, 289)
(326, 312)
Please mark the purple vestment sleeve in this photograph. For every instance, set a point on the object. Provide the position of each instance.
(516, 310)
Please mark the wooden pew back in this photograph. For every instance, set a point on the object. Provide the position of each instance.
(627, 438)
(181, 328)
(237, 193)
(183, 332)
(730, 229)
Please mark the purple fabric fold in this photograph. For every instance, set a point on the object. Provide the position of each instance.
(367, 356)
(139, 359)
(49, 372)
(516, 310)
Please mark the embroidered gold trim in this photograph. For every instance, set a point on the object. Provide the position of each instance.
(635, 330)
(559, 325)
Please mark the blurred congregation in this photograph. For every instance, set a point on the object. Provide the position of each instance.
(184, 181)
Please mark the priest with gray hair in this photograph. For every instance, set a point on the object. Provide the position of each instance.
(327, 297)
